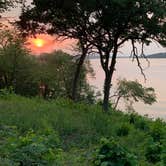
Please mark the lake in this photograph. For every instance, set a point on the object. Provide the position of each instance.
(125, 68)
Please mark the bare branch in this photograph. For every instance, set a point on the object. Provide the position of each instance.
(134, 55)
(143, 54)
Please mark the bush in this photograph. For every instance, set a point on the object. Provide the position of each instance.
(153, 153)
(164, 158)
(33, 149)
(157, 130)
(7, 162)
(123, 130)
(110, 153)
(5, 93)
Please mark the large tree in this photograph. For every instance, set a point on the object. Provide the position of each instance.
(121, 21)
(105, 25)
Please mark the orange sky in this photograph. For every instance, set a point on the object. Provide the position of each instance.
(50, 44)
(46, 44)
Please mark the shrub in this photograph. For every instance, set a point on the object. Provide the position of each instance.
(153, 153)
(110, 153)
(164, 158)
(123, 130)
(5, 93)
(157, 130)
(34, 149)
(7, 162)
(133, 118)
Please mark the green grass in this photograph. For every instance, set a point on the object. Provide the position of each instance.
(80, 127)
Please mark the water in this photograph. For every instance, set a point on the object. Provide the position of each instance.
(156, 78)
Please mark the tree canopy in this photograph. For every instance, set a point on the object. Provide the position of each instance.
(8, 4)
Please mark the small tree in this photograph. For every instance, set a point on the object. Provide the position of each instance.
(56, 71)
(16, 65)
(133, 91)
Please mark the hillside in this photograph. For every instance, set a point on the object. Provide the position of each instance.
(66, 134)
(159, 55)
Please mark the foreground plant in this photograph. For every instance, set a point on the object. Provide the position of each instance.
(110, 153)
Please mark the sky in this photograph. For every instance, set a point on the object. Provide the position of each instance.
(52, 44)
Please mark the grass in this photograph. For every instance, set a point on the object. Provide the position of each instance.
(80, 127)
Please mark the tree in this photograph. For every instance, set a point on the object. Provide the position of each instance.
(108, 25)
(121, 21)
(56, 72)
(16, 65)
(133, 91)
(67, 19)
(6, 4)
(26, 74)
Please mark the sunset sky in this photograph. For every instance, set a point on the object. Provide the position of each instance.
(50, 43)
(46, 44)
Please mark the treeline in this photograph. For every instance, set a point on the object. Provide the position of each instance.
(48, 75)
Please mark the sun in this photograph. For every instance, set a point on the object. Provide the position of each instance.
(38, 42)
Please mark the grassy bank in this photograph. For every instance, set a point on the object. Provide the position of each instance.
(63, 133)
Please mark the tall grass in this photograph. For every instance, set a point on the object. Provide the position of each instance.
(79, 126)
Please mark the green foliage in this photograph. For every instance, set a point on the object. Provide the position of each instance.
(16, 65)
(75, 128)
(153, 153)
(7, 162)
(31, 149)
(123, 130)
(25, 73)
(5, 93)
(133, 91)
(164, 158)
(138, 121)
(110, 153)
(158, 131)
(57, 72)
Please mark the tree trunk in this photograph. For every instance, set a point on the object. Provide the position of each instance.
(107, 86)
(108, 78)
(77, 75)
(117, 102)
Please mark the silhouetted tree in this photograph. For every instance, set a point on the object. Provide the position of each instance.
(120, 21)
(7, 4)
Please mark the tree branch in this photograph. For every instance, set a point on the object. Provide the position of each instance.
(134, 54)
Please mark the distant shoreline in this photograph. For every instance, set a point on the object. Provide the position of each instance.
(152, 56)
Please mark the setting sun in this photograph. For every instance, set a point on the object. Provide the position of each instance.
(38, 42)
(43, 43)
